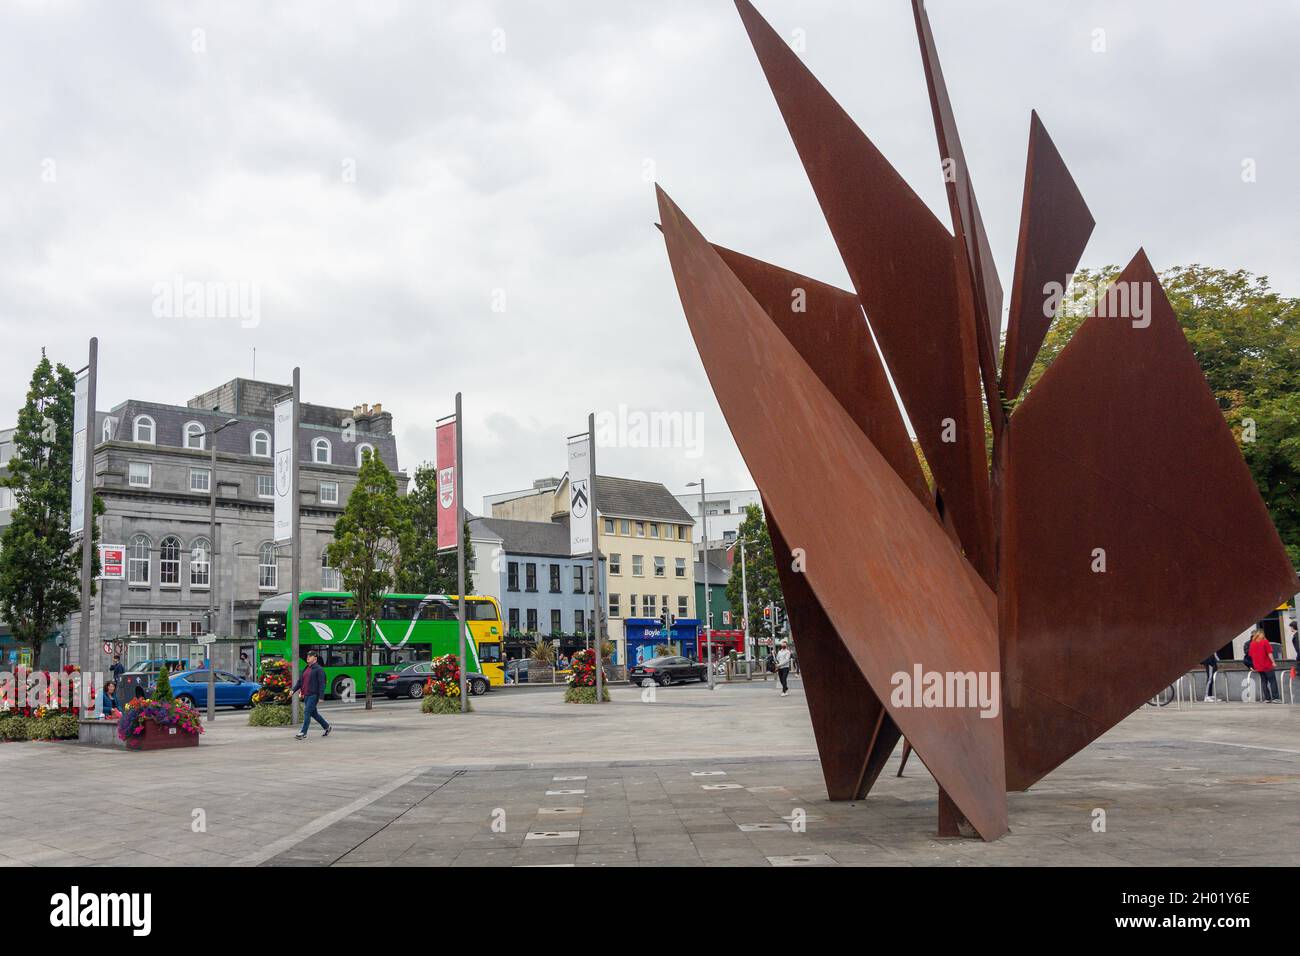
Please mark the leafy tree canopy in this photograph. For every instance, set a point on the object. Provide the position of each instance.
(40, 569)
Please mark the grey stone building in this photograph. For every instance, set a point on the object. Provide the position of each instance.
(152, 468)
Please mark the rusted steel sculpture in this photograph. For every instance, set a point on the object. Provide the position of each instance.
(1111, 539)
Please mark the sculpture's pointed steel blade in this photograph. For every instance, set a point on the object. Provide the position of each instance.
(1135, 541)
(889, 580)
(855, 734)
(901, 260)
(828, 330)
(1054, 228)
(977, 268)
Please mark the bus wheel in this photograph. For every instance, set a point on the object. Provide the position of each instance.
(415, 691)
(345, 687)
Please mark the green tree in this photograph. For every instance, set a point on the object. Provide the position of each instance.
(1246, 338)
(366, 549)
(40, 568)
(760, 577)
(162, 687)
(425, 570)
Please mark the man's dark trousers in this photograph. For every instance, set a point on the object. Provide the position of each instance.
(309, 712)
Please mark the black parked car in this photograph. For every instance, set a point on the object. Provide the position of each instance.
(408, 681)
(667, 670)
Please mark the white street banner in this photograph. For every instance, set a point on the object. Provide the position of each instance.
(79, 454)
(580, 492)
(285, 441)
(112, 562)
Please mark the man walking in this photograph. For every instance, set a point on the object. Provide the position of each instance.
(117, 669)
(311, 687)
(783, 667)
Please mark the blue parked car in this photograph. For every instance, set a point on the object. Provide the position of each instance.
(232, 691)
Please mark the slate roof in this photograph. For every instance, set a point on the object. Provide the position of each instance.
(170, 420)
(545, 538)
(717, 573)
(628, 498)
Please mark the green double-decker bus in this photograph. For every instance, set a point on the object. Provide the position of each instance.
(411, 629)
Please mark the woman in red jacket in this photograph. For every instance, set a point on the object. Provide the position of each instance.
(1261, 660)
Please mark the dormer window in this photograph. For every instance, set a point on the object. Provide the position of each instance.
(143, 431)
(194, 436)
(320, 451)
(259, 444)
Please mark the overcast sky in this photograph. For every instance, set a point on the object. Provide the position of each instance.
(389, 176)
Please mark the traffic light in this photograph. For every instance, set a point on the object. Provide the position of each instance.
(767, 613)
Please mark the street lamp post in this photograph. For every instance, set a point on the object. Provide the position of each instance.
(708, 613)
(212, 564)
(234, 582)
(744, 612)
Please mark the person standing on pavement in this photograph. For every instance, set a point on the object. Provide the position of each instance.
(1211, 665)
(245, 668)
(783, 667)
(117, 668)
(311, 687)
(1261, 661)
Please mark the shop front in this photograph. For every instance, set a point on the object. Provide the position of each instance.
(643, 634)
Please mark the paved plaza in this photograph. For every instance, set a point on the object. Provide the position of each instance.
(694, 777)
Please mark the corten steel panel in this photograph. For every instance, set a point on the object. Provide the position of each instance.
(1121, 446)
(1054, 228)
(855, 735)
(831, 335)
(889, 580)
(977, 268)
(901, 260)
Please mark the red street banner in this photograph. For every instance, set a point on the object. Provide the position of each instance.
(446, 465)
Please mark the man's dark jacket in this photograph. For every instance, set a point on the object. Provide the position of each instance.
(311, 681)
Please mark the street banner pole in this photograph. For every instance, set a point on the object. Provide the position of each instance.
(744, 619)
(83, 461)
(460, 554)
(708, 608)
(451, 519)
(595, 557)
(295, 520)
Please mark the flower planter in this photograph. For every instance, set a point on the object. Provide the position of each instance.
(157, 737)
(584, 695)
(434, 704)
